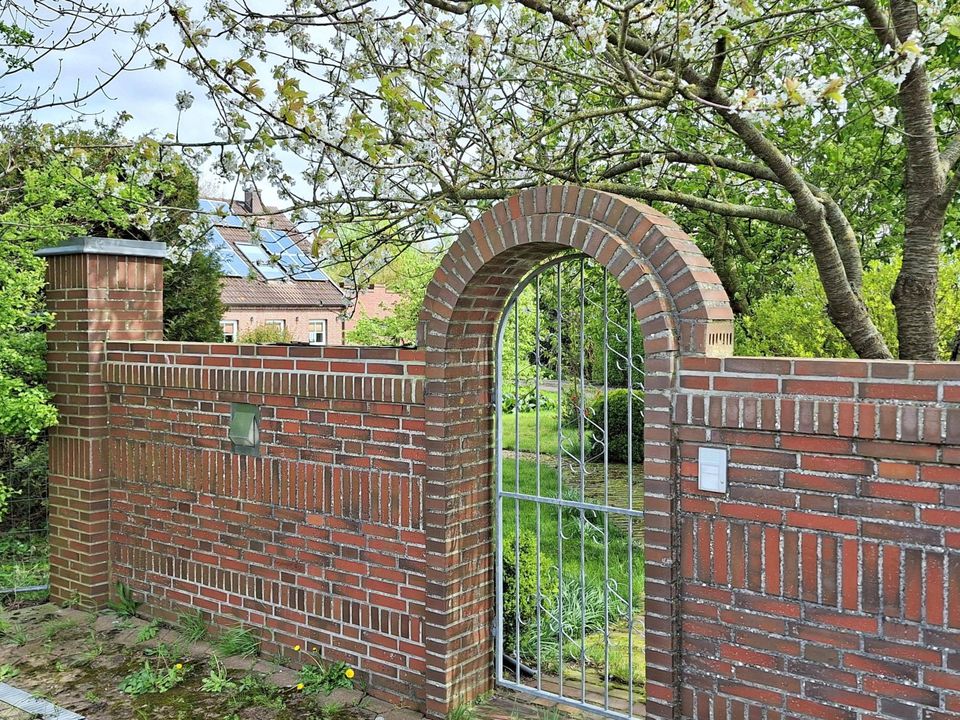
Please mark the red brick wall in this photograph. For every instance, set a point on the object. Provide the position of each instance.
(826, 582)
(318, 541)
(824, 585)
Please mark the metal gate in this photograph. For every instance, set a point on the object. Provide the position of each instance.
(569, 491)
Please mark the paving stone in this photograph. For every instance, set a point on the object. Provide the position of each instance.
(402, 714)
(375, 705)
(343, 696)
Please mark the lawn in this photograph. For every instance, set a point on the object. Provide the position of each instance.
(527, 422)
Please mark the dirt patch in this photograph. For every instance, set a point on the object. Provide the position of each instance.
(80, 660)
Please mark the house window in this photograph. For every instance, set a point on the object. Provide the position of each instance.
(280, 325)
(229, 328)
(318, 332)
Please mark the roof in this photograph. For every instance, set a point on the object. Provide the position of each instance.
(240, 292)
(264, 257)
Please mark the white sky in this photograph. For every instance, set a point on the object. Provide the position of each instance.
(148, 94)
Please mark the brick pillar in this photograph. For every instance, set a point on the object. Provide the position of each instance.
(98, 289)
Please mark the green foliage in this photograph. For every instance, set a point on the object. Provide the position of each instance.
(217, 680)
(56, 627)
(192, 626)
(25, 409)
(55, 186)
(617, 405)
(153, 679)
(317, 678)
(125, 606)
(8, 671)
(520, 583)
(237, 641)
(164, 651)
(795, 324)
(526, 400)
(574, 342)
(192, 308)
(149, 631)
(463, 712)
(408, 275)
(17, 635)
(572, 401)
(23, 473)
(265, 335)
(256, 690)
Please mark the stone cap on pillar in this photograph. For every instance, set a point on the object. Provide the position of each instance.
(106, 246)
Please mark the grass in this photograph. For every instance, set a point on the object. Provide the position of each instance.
(237, 641)
(590, 532)
(528, 433)
(24, 563)
(192, 626)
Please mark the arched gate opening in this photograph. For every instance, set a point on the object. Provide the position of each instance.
(680, 307)
(568, 505)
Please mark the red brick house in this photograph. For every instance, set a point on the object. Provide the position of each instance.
(270, 278)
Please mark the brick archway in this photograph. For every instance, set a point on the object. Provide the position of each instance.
(682, 308)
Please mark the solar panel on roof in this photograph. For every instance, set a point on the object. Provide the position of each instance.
(231, 264)
(274, 245)
(219, 213)
(291, 257)
(261, 261)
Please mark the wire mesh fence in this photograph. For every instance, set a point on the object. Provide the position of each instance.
(24, 567)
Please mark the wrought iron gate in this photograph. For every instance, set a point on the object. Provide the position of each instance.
(569, 490)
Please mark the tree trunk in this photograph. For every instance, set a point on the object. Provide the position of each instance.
(915, 293)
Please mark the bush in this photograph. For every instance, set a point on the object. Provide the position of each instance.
(571, 406)
(191, 299)
(265, 335)
(522, 586)
(617, 426)
(526, 400)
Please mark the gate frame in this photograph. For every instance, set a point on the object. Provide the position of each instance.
(682, 309)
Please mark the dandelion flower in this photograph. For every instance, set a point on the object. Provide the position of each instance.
(349, 673)
(178, 666)
(299, 686)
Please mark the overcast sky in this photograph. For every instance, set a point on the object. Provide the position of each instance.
(148, 94)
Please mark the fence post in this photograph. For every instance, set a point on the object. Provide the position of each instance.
(98, 289)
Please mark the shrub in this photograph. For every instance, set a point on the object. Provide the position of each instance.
(191, 299)
(526, 400)
(522, 586)
(571, 406)
(617, 426)
(265, 335)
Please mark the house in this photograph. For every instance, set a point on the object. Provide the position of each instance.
(373, 301)
(270, 278)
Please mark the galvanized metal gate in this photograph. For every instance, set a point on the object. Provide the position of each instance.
(569, 491)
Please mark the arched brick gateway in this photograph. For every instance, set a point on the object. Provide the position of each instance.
(682, 309)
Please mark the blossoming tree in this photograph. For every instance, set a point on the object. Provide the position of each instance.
(836, 123)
